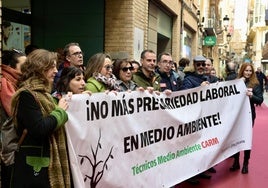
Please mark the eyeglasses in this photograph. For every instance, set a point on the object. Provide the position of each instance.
(125, 69)
(168, 62)
(108, 67)
(77, 54)
(201, 64)
(17, 51)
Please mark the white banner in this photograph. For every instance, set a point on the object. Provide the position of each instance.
(139, 139)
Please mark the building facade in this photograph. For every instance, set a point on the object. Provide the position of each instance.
(257, 36)
(122, 28)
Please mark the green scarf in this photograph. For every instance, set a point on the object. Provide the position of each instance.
(58, 170)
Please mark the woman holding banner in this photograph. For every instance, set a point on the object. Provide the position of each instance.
(254, 92)
(98, 74)
(70, 82)
(123, 72)
(42, 159)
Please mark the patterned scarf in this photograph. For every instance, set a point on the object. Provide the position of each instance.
(58, 170)
(109, 82)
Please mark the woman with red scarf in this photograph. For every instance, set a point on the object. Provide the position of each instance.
(11, 72)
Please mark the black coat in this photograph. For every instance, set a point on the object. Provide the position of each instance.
(171, 82)
(36, 143)
(231, 76)
(261, 77)
(257, 98)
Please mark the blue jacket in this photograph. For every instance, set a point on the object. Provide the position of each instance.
(171, 82)
(192, 80)
(123, 87)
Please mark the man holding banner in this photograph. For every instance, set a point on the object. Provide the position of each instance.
(146, 77)
(194, 78)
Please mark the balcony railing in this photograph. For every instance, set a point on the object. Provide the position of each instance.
(209, 27)
(210, 23)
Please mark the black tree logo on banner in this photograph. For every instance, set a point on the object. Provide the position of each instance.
(96, 175)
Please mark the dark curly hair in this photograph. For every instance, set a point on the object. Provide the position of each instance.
(117, 66)
(67, 74)
(10, 57)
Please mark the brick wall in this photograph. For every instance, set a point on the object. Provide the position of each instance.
(120, 20)
(122, 16)
(141, 17)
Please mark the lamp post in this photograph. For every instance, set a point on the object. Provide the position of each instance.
(226, 22)
(200, 21)
(201, 30)
(228, 37)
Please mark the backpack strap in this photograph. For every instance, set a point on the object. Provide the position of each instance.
(22, 137)
(3, 114)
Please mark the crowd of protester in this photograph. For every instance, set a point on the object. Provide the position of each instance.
(41, 74)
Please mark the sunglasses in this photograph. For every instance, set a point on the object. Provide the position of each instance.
(201, 64)
(125, 69)
(108, 67)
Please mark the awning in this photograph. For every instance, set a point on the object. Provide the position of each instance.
(264, 61)
(210, 31)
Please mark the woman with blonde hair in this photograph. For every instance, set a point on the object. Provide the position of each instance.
(254, 91)
(99, 74)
